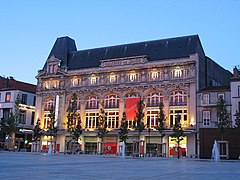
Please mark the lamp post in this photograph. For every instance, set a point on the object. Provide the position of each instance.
(149, 131)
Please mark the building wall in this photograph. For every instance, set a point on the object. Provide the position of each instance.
(235, 98)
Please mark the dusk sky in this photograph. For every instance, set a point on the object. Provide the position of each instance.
(29, 28)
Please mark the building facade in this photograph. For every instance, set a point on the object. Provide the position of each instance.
(10, 89)
(170, 71)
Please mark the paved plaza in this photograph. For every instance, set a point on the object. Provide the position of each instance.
(34, 166)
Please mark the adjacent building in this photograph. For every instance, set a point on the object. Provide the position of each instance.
(9, 90)
(173, 71)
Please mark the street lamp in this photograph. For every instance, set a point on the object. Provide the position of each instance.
(149, 131)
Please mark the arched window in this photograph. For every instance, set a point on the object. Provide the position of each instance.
(154, 99)
(111, 101)
(48, 105)
(92, 102)
(178, 98)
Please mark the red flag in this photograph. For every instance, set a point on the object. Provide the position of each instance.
(131, 107)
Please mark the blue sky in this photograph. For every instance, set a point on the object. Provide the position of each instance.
(28, 29)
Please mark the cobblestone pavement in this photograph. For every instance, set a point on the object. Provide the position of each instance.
(34, 166)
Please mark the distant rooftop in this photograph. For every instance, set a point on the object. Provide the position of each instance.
(12, 84)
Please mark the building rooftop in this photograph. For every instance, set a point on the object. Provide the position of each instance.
(179, 47)
(12, 84)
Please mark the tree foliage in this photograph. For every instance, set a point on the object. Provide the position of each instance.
(237, 120)
(123, 130)
(223, 116)
(138, 122)
(102, 123)
(161, 119)
(53, 124)
(9, 124)
(73, 119)
(178, 133)
(37, 131)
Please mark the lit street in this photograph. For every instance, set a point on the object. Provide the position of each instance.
(34, 166)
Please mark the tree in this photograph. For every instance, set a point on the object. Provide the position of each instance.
(102, 125)
(123, 130)
(161, 119)
(178, 133)
(37, 132)
(9, 124)
(237, 120)
(138, 122)
(74, 120)
(223, 116)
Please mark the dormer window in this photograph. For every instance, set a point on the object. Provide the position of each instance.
(53, 64)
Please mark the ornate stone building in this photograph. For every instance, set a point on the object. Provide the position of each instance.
(171, 71)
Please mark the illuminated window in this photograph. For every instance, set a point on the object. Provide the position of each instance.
(178, 98)
(112, 101)
(185, 73)
(47, 121)
(132, 77)
(206, 118)
(75, 82)
(92, 102)
(173, 116)
(152, 116)
(154, 99)
(154, 75)
(93, 80)
(91, 120)
(46, 85)
(48, 105)
(113, 79)
(113, 119)
(177, 73)
(55, 84)
(8, 97)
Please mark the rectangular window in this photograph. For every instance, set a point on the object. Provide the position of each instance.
(206, 118)
(6, 113)
(152, 118)
(34, 100)
(91, 120)
(238, 91)
(113, 119)
(173, 116)
(22, 117)
(8, 97)
(24, 99)
(238, 106)
(220, 95)
(32, 118)
(205, 98)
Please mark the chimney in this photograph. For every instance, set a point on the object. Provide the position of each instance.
(235, 72)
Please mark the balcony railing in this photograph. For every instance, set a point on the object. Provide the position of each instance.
(209, 102)
(178, 103)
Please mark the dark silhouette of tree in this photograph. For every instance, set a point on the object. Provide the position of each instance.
(37, 131)
(224, 121)
(123, 130)
(161, 119)
(138, 122)
(102, 126)
(9, 124)
(237, 120)
(102, 123)
(178, 133)
(73, 119)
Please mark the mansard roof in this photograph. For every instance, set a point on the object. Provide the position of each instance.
(179, 47)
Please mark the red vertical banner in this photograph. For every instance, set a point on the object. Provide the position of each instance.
(131, 107)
